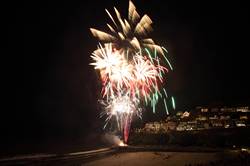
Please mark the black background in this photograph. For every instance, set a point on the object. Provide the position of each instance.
(52, 91)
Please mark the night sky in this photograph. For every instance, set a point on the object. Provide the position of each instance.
(53, 92)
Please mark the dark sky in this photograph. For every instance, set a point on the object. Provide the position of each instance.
(53, 91)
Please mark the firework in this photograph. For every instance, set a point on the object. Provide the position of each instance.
(132, 68)
(130, 33)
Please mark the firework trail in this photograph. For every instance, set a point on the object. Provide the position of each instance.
(132, 68)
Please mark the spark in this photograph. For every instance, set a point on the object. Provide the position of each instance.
(173, 102)
(121, 143)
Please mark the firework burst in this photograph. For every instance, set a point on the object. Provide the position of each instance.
(129, 34)
(130, 69)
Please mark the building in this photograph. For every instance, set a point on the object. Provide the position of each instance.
(215, 109)
(228, 109)
(240, 124)
(225, 117)
(171, 125)
(156, 127)
(217, 123)
(201, 109)
(215, 117)
(179, 113)
(185, 114)
(181, 126)
(242, 109)
(152, 127)
(243, 117)
(201, 118)
(204, 109)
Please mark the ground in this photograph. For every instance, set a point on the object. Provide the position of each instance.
(155, 158)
